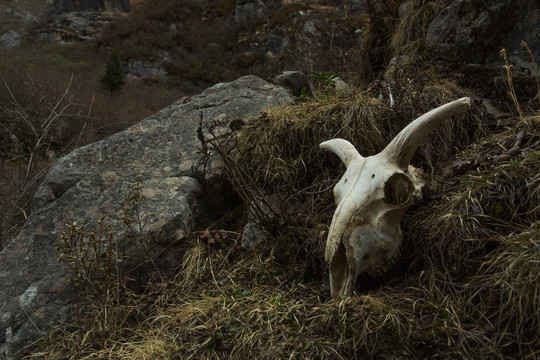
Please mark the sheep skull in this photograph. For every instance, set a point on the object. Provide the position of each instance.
(371, 198)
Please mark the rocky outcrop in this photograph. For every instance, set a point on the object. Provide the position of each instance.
(89, 5)
(469, 28)
(298, 37)
(166, 152)
(19, 16)
(141, 69)
(527, 29)
(474, 31)
(251, 10)
(68, 27)
(292, 29)
(81, 20)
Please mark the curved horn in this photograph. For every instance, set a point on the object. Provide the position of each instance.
(342, 148)
(402, 147)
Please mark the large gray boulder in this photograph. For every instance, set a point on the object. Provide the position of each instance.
(92, 183)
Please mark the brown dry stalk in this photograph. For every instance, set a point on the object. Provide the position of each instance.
(524, 44)
(511, 89)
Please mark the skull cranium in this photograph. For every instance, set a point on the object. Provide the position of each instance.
(371, 198)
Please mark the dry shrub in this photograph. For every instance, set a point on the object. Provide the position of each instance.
(29, 98)
(376, 37)
(481, 199)
(226, 304)
(38, 114)
(385, 36)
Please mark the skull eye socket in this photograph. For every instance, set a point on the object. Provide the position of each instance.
(398, 190)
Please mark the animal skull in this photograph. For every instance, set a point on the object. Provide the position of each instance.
(371, 198)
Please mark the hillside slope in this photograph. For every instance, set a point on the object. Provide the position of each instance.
(245, 277)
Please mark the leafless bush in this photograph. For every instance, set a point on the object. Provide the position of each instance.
(34, 126)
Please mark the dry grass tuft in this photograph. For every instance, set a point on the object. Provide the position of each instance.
(482, 235)
(409, 35)
(482, 198)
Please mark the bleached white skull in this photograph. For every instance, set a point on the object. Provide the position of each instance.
(371, 198)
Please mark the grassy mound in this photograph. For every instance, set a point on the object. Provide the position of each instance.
(281, 151)
(466, 286)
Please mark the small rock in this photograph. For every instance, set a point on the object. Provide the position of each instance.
(311, 29)
(294, 81)
(340, 86)
(252, 235)
(404, 9)
(250, 10)
(277, 40)
(141, 69)
(10, 39)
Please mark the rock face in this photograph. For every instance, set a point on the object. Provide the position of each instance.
(81, 20)
(68, 27)
(303, 35)
(526, 29)
(472, 30)
(92, 183)
(89, 5)
(251, 10)
(141, 69)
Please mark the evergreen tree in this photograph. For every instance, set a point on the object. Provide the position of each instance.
(114, 78)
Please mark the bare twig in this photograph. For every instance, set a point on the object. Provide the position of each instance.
(24, 114)
(31, 176)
